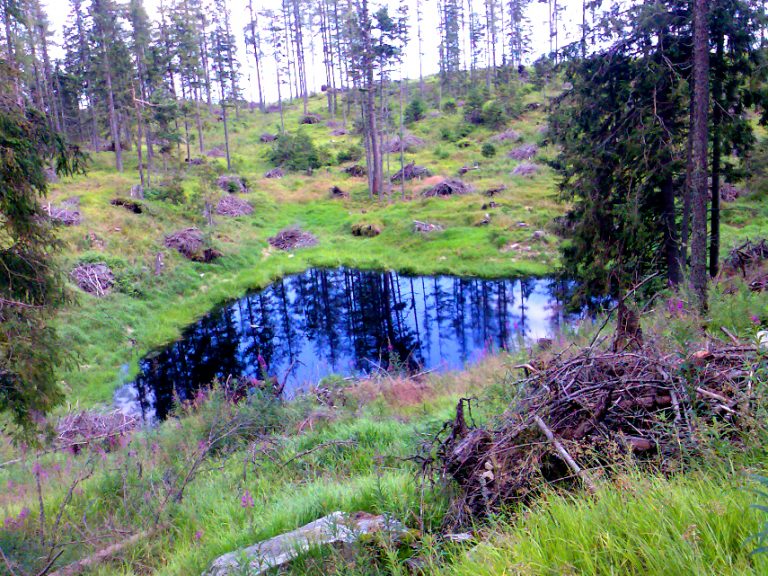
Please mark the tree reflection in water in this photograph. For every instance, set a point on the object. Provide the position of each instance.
(349, 322)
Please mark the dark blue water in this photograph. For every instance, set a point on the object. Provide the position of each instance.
(346, 322)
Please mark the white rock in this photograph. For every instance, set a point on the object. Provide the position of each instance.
(334, 528)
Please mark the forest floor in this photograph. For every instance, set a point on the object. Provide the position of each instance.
(221, 476)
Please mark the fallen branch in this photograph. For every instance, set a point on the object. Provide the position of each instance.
(567, 458)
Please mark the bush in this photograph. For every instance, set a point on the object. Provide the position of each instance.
(493, 114)
(449, 106)
(351, 154)
(488, 150)
(171, 191)
(415, 110)
(296, 152)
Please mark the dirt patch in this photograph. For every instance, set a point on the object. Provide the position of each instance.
(591, 410)
(448, 187)
(233, 206)
(190, 243)
(411, 172)
(96, 279)
(292, 238)
(130, 205)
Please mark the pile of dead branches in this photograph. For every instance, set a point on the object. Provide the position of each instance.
(96, 279)
(311, 119)
(448, 187)
(78, 430)
(190, 243)
(524, 152)
(274, 173)
(292, 238)
(232, 184)
(426, 227)
(233, 206)
(66, 213)
(526, 169)
(588, 411)
(729, 192)
(355, 170)
(267, 137)
(747, 257)
(495, 191)
(507, 136)
(411, 172)
(408, 143)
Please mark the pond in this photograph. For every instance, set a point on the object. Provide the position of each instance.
(345, 322)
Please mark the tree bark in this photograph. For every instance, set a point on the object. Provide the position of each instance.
(717, 120)
(699, 152)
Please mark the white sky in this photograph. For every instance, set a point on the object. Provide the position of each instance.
(569, 30)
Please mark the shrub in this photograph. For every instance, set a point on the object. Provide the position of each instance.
(351, 154)
(171, 191)
(415, 110)
(449, 106)
(296, 152)
(493, 114)
(488, 150)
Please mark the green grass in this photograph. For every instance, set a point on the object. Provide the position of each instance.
(148, 311)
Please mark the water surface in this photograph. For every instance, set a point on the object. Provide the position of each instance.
(347, 322)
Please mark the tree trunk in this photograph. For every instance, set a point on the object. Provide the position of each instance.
(113, 124)
(717, 120)
(699, 156)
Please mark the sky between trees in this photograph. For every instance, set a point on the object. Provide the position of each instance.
(57, 11)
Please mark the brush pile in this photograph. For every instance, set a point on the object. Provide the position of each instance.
(274, 173)
(587, 411)
(96, 279)
(448, 187)
(526, 169)
(507, 136)
(190, 243)
(233, 206)
(426, 227)
(495, 191)
(524, 152)
(408, 143)
(78, 430)
(267, 137)
(729, 192)
(292, 238)
(232, 184)
(66, 213)
(411, 172)
(747, 257)
(217, 152)
(365, 230)
(355, 171)
(311, 119)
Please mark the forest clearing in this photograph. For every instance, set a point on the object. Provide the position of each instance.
(355, 287)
